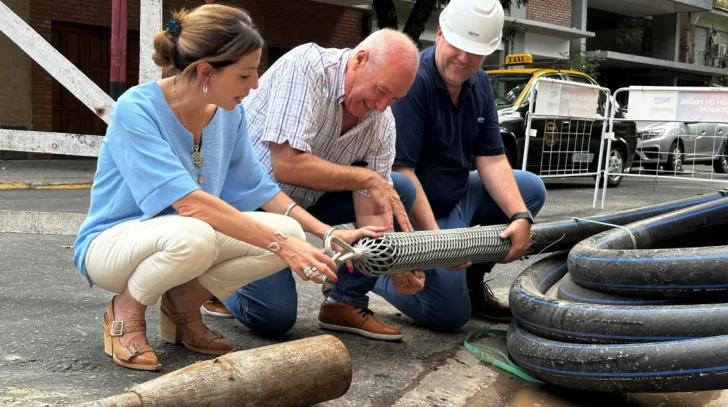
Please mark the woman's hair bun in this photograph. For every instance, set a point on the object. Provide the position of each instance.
(165, 44)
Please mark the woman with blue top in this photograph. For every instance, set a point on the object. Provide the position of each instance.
(174, 203)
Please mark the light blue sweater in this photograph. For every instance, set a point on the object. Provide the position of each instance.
(145, 165)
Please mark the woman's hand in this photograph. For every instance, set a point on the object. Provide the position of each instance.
(301, 256)
(350, 236)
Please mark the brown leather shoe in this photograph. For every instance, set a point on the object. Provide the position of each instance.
(134, 356)
(173, 331)
(338, 316)
(215, 308)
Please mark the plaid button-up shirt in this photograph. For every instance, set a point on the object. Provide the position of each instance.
(299, 100)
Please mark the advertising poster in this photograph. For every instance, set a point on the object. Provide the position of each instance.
(660, 105)
(677, 105)
(563, 99)
(702, 106)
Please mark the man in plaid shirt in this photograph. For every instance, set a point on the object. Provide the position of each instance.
(320, 122)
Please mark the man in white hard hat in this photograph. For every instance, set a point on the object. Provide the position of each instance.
(448, 116)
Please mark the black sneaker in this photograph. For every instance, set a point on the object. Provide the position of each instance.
(483, 303)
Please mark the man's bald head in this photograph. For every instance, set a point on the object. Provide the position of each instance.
(381, 69)
(388, 47)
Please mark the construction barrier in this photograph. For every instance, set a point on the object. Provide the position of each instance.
(681, 133)
(566, 126)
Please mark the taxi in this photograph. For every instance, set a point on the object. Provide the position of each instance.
(558, 146)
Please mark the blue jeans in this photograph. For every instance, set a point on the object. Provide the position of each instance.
(444, 303)
(268, 306)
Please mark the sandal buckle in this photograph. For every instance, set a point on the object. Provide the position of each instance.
(137, 350)
(116, 332)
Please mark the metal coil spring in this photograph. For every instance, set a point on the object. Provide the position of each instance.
(422, 250)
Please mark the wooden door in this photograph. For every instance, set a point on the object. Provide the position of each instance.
(89, 49)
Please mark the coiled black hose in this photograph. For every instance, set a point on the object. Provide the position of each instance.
(633, 313)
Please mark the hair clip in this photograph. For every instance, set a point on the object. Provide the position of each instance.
(173, 27)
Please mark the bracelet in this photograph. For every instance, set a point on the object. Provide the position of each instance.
(288, 210)
(331, 230)
(328, 233)
(275, 246)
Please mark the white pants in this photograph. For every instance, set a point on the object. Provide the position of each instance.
(153, 256)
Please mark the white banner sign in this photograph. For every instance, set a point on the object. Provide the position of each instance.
(566, 100)
(656, 106)
(677, 105)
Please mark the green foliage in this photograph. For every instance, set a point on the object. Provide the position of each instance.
(579, 61)
(510, 32)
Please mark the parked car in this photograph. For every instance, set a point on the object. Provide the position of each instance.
(512, 89)
(670, 145)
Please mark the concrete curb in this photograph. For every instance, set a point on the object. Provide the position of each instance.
(46, 223)
(45, 185)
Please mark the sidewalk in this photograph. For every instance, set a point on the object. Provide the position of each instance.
(44, 196)
(47, 174)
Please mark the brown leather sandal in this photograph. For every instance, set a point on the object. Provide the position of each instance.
(135, 356)
(173, 331)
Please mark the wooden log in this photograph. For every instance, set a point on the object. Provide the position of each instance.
(296, 373)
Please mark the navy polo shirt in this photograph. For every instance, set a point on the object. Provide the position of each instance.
(438, 139)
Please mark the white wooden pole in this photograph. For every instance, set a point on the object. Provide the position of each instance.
(84, 145)
(150, 23)
(55, 63)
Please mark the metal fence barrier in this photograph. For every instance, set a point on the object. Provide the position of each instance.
(565, 128)
(682, 132)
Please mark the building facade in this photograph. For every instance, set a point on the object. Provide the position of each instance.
(81, 31)
(545, 29)
(635, 42)
(655, 42)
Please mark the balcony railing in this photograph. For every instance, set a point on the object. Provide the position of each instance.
(713, 60)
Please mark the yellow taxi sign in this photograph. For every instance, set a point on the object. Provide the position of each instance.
(519, 59)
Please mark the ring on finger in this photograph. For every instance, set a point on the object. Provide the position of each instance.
(308, 271)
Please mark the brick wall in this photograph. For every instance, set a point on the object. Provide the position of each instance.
(283, 23)
(550, 11)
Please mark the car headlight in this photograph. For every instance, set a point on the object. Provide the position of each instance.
(648, 134)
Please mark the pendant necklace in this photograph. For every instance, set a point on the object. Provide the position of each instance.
(196, 156)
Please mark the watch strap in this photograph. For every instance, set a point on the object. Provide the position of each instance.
(523, 215)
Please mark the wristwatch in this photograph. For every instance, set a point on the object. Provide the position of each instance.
(523, 215)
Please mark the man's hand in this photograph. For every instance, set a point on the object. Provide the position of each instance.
(388, 200)
(519, 233)
(408, 283)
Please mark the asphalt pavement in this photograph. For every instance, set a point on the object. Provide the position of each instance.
(51, 347)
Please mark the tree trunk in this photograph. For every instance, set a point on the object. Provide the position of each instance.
(303, 372)
(386, 14)
(421, 12)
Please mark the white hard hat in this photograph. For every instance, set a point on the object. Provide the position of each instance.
(474, 26)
